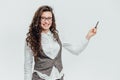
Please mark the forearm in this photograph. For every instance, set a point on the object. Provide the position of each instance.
(76, 49)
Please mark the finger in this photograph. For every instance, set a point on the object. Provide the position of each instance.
(94, 30)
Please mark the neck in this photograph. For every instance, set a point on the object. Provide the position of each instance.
(45, 31)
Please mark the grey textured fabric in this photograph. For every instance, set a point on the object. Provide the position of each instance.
(44, 64)
(36, 77)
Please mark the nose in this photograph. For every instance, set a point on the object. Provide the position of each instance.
(46, 21)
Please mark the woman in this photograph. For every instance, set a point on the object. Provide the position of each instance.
(43, 46)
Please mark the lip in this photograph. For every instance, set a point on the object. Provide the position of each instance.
(45, 25)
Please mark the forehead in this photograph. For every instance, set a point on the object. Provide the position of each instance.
(46, 14)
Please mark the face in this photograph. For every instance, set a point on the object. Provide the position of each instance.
(46, 20)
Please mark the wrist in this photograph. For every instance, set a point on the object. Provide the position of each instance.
(88, 37)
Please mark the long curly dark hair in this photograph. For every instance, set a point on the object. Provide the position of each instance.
(34, 35)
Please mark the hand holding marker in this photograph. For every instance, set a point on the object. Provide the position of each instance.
(95, 28)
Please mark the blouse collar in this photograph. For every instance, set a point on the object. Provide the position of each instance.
(48, 33)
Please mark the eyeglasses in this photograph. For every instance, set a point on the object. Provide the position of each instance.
(46, 18)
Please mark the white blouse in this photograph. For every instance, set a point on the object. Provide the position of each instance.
(50, 48)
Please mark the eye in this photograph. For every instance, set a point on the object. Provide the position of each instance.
(46, 18)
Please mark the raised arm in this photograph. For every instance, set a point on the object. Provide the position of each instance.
(77, 49)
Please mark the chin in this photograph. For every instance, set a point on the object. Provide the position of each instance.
(46, 28)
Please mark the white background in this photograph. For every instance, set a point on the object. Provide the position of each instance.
(99, 61)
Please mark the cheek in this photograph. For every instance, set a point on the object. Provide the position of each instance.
(42, 23)
(51, 23)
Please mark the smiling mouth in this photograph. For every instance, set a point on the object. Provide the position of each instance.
(46, 25)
